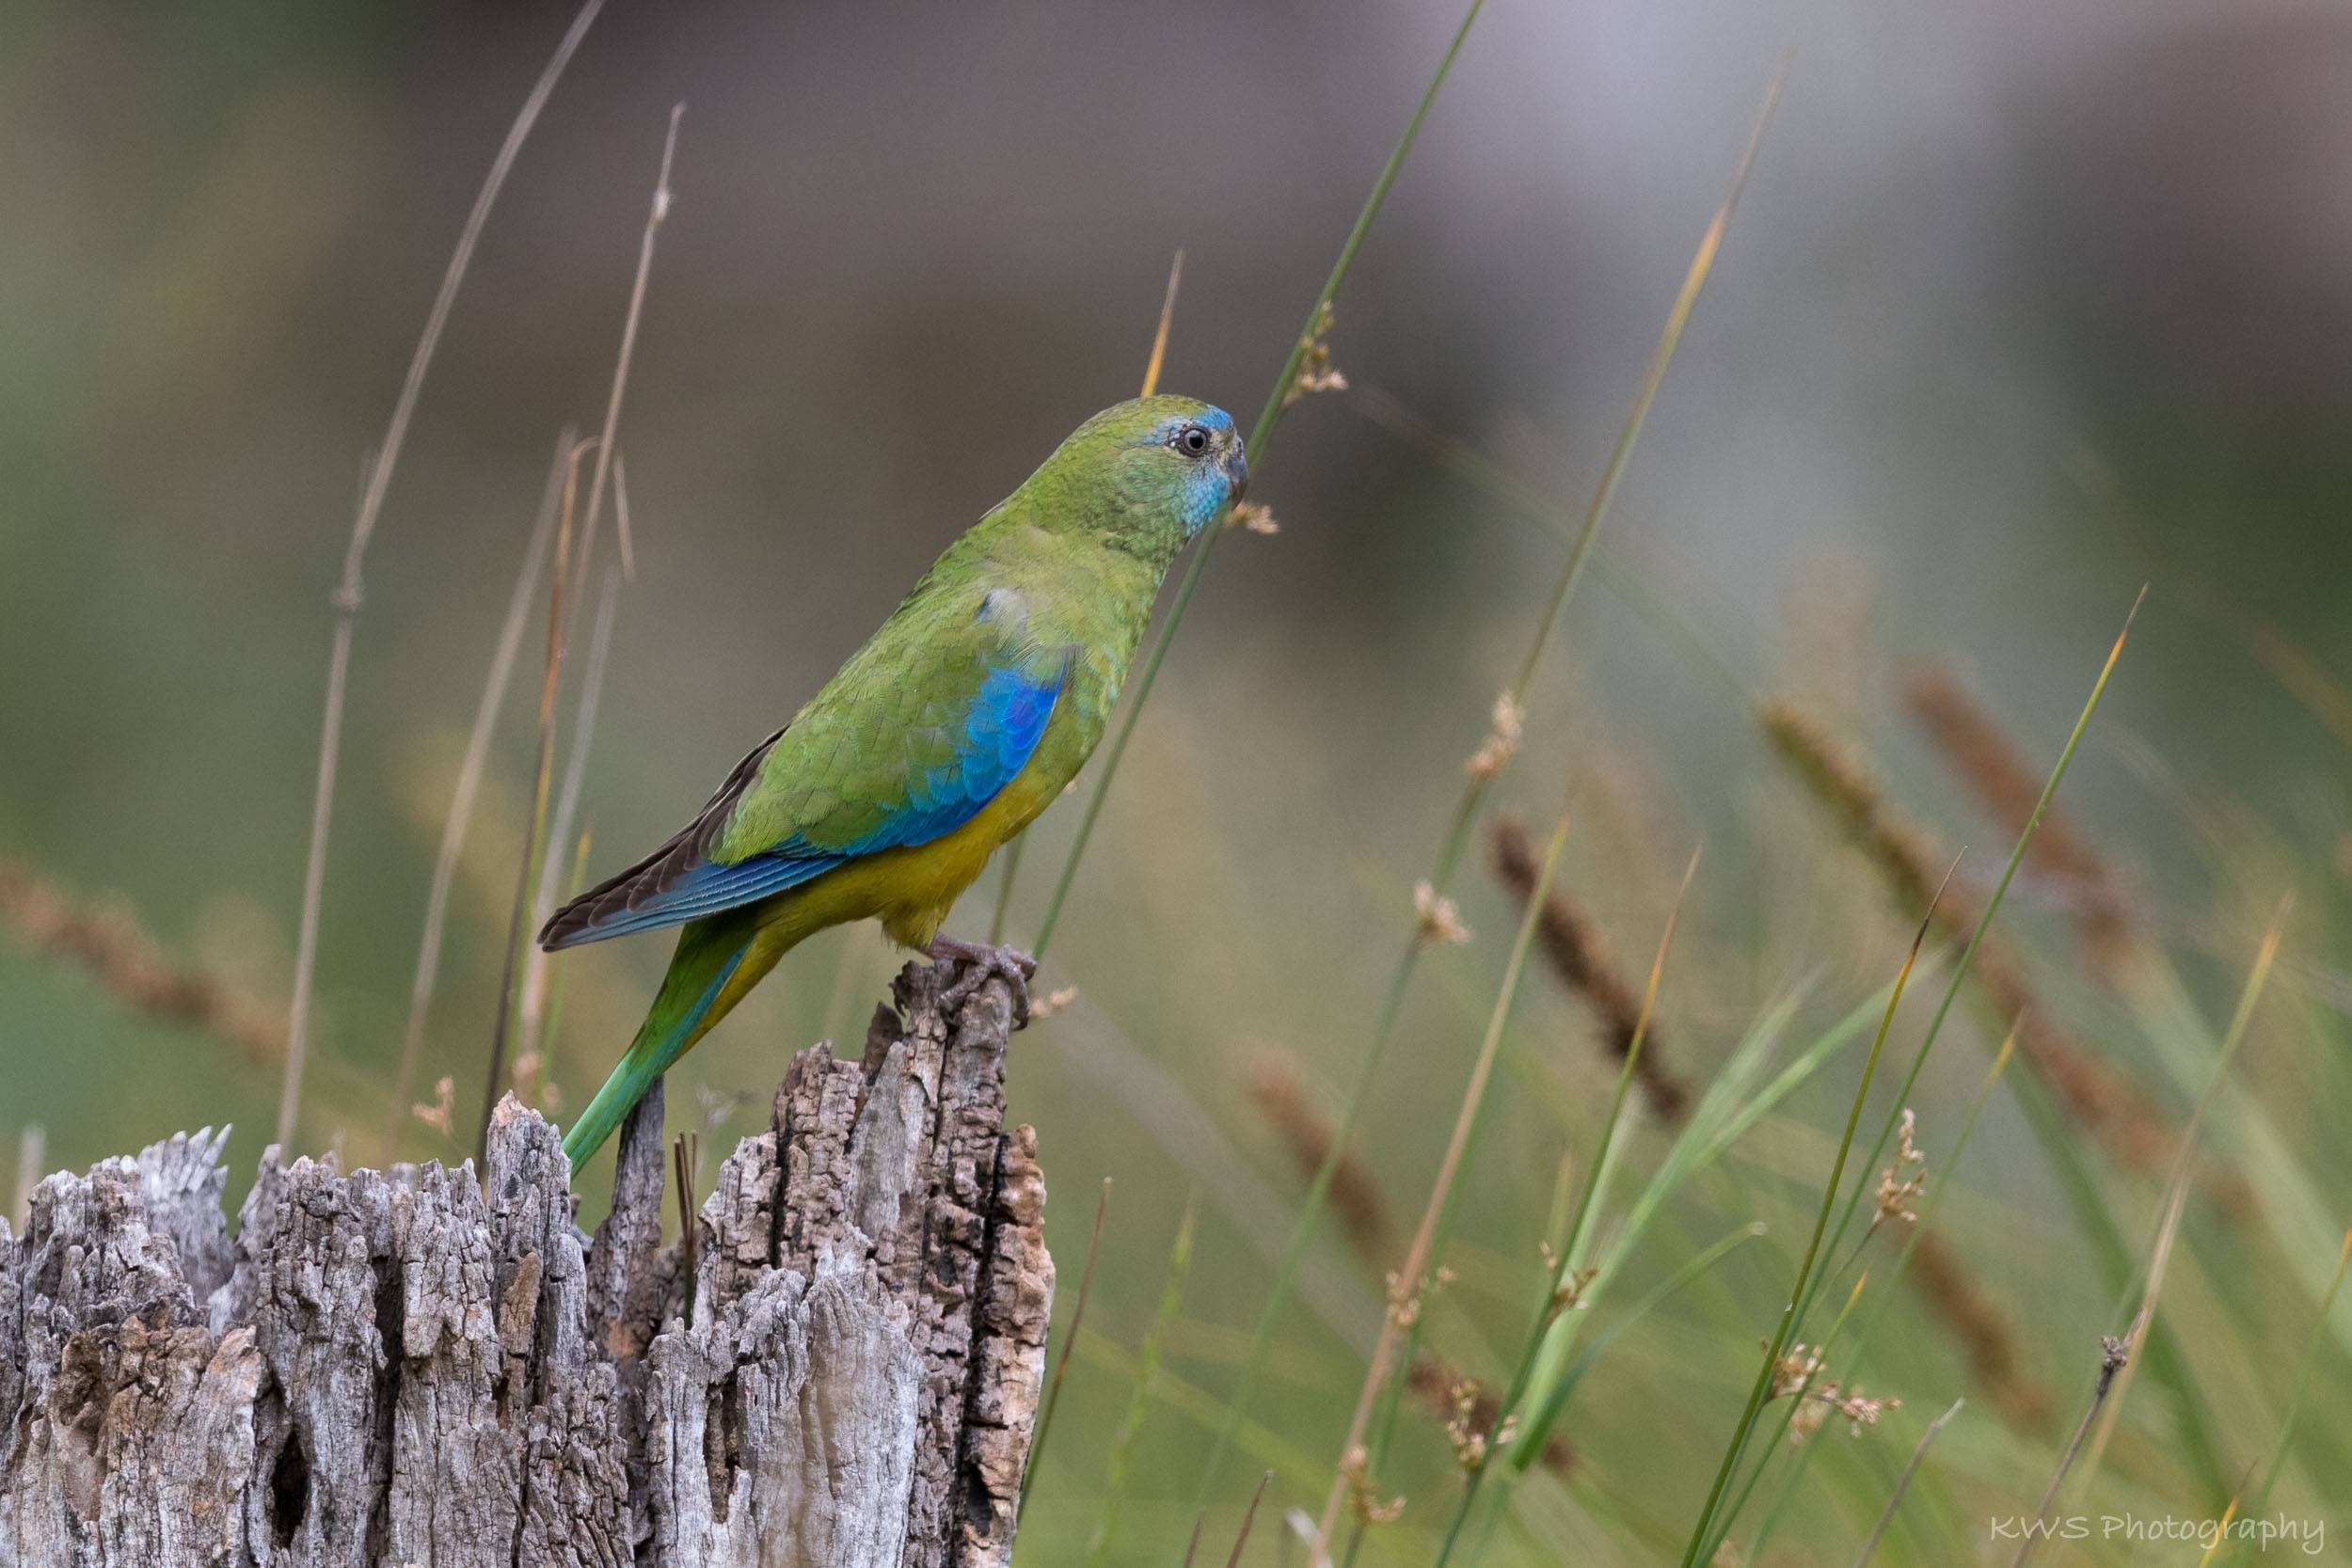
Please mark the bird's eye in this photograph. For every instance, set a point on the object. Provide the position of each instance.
(1192, 439)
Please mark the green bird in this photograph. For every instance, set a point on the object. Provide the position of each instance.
(958, 722)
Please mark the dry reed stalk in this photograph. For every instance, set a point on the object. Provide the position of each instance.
(1988, 760)
(1305, 1133)
(537, 961)
(534, 841)
(1410, 1288)
(597, 479)
(348, 593)
(107, 943)
(468, 788)
(1986, 1340)
(2126, 1122)
(1580, 957)
(534, 996)
(1248, 1519)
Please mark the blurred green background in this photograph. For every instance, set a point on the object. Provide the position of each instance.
(2022, 309)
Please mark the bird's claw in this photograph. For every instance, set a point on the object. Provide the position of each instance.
(979, 962)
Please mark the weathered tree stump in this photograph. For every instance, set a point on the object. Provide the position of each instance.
(415, 1367)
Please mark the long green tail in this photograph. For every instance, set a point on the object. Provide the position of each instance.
(708, 954)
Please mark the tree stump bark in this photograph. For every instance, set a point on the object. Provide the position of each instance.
(415, 1367)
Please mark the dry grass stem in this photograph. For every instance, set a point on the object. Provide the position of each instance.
(1410, 1285)
(1580, 957)
(1988, 760)
(1167, 318)
(538, 961)
(1305, 1133)
(379, 474)
(469, 785)
(32, 1152)
(655, 215)
(1248, 1519)
(1151, 384)
(534, 841)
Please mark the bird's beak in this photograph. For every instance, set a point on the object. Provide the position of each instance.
(1237, 471)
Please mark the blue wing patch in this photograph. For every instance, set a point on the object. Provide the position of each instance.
(678, 882)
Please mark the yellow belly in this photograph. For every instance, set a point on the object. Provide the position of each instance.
(910, 889)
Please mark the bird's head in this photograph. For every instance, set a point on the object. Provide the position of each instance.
(1160, 468)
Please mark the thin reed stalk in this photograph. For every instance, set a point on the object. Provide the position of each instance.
(1480, 778)
(1409, 1293)
(608, 460)
(1896, 1498)
(1284, 392)
(32, 1152)
(534, 840)
(1061, 1365)
(469, 774)
(348, 593)
(655, 215)
(1147, 1368)
(538, 961)
(1151, 384)
(1250, 1518)
(1797, 1295)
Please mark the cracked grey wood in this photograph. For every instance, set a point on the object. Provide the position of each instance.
(415, 1367)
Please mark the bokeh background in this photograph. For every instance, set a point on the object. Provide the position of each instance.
(2024, 306)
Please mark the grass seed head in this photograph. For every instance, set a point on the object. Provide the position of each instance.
(1439, 918)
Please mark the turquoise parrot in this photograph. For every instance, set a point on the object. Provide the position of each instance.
(946, 733)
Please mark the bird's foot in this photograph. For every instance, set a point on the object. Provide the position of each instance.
(979, 960)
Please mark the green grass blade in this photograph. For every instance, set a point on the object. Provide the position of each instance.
(1260, 435)
(1146, 1370)
(1377, 1407)
(1474, 794)
(1991, 907)
(1797, 1296)
(1930, 1202)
